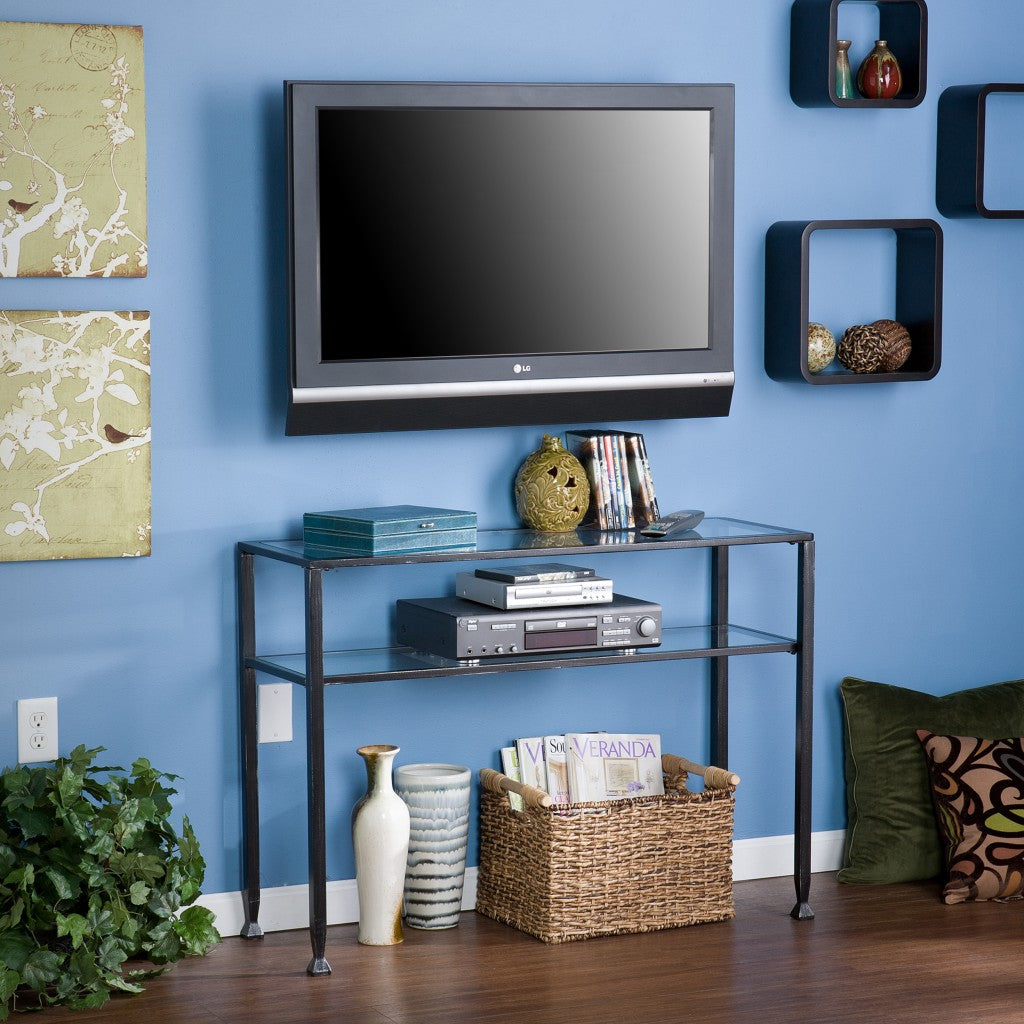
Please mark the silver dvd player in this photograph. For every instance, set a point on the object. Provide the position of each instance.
(496, 594)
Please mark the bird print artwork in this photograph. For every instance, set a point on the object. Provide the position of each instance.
(73, 159)
(75, 445)
(115, 436)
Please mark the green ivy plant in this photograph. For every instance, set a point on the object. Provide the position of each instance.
(92, 874)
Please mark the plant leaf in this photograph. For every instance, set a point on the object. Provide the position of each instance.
(82, 967)
(61, 884)
(164, 904)
(69, 786)
(13, 916)
(196, 930)
(15, 949)
(118, 981)
(110, 955)
(91, 1001)
(101, 920)
(138, 893)
(101, 847)
(9, 982)
(23, 877)
(32, 822)
(41, 968)
(168, 948)
(74, 925)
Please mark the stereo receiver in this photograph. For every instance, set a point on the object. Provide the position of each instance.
(454, 628)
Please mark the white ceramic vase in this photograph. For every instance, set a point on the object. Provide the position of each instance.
(438, 799)
(380, 837)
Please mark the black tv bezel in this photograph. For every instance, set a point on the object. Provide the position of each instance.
(375, 394)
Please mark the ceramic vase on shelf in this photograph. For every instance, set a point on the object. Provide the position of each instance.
(879, 77)
(844, 77)
(380, 837)
(552, 489)
(438, 800)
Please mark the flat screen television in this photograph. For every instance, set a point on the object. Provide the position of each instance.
(469, 255)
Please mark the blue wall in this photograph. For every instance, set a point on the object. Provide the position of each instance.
(913, 490)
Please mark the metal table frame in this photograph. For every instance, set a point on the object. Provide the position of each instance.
(310, 671)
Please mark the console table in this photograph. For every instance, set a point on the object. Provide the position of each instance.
(314, 668)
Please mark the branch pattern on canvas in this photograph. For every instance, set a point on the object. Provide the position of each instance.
(72, 151)
(74, 434)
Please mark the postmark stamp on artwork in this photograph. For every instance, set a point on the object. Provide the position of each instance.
(93, 47)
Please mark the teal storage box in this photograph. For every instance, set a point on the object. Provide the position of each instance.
(387, 530)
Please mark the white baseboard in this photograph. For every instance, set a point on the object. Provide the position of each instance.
(287, 906)
(772, 856)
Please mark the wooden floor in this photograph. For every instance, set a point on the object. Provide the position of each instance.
(872, 954)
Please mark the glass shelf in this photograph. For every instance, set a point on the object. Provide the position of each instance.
(711, 532)
(377, 664)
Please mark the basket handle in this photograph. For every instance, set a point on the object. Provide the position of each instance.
(716, 778)
(498, 783)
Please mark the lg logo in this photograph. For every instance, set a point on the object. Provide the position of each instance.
(522, 368)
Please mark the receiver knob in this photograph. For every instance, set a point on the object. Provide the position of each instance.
(646, 626)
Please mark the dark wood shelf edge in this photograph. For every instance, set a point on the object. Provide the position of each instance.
(960, 152)
(919, 260)
(813, 35)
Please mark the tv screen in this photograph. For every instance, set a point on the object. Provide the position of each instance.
(479, 254)
(514, 232)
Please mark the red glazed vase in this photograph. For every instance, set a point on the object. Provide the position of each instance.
(879, 77)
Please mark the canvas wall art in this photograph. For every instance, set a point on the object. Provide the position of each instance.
(72, 151)
(74, 435)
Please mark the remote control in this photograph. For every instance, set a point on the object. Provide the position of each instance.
(677, 522)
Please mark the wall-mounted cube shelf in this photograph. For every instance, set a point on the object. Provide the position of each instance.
(960, 165)
(787, 291)
(812, 51)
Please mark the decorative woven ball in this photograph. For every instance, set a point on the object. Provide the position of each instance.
(897, 344)
(821, 347)
(552, 489)
(861, 348)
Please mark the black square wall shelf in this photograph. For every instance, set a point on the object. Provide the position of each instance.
(787, 289)
(903, 24)
(960, 170)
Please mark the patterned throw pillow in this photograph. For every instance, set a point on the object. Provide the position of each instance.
(978, 790)
(891, 834)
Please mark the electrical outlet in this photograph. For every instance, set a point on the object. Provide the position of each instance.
(274, 710)
(37, 729)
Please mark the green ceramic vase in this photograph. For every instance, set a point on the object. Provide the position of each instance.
(551, 489)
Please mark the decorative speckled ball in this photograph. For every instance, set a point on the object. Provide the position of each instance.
(861, 348)
(821, 347)
(897, 344)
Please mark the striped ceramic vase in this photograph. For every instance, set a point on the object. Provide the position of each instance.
(438, 800)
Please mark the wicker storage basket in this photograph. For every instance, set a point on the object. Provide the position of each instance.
(574, 871)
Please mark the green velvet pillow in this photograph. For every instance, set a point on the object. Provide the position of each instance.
(891, 835)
